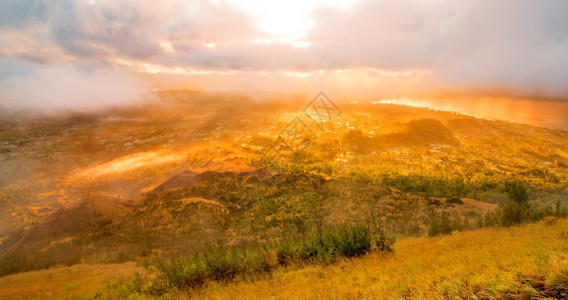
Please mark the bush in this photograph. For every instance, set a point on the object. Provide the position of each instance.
(384, 242)
(323, 247)
(516, 209)
(443, 224)
(548, 220)
(181, 272)
(454, 200)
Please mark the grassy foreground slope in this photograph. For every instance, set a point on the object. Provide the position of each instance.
(65, 282)
(520, 262)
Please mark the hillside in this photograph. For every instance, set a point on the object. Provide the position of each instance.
(51, 163)
(86, 216)
(193, 211)
(521, 262)
(218, 149)
(196, 175)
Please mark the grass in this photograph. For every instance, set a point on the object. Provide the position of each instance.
(521, 262)
(224, 264)
(528, 261)
(64, 282)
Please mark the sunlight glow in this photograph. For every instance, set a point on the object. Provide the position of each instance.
(389, 73)
(287, 22)
(285, 25)
(168, 48)
(128, 163)
(144, 67)
(298, 74)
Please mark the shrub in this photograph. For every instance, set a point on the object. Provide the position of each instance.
(516, 209)
(323, 247)
(384, 242)
(443, 224)
(179, 272)
(548, 220)
(454, 200)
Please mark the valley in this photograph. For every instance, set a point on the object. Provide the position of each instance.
(191, 173)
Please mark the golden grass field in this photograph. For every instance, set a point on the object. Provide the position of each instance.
(496, 263)
(488, 263)
(64, 282)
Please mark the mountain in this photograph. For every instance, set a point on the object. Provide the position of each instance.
(85, 216)
(193, 211)
(149, 184)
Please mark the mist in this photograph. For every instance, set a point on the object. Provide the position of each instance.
(54, 88)
(84, 55)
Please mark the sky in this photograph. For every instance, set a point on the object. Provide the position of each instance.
(61, 54)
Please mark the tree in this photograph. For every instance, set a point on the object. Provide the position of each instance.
(516, 209)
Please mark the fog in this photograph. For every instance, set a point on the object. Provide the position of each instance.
(84, 55)
(58, 87)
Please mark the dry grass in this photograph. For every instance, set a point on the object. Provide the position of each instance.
(489, 263)
(519, 263)
(64, 282)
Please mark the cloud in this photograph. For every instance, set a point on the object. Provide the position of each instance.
(521, 45)
(59, 87)
(21, 13)
(516, 44)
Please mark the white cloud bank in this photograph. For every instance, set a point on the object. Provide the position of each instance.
(92, 48)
